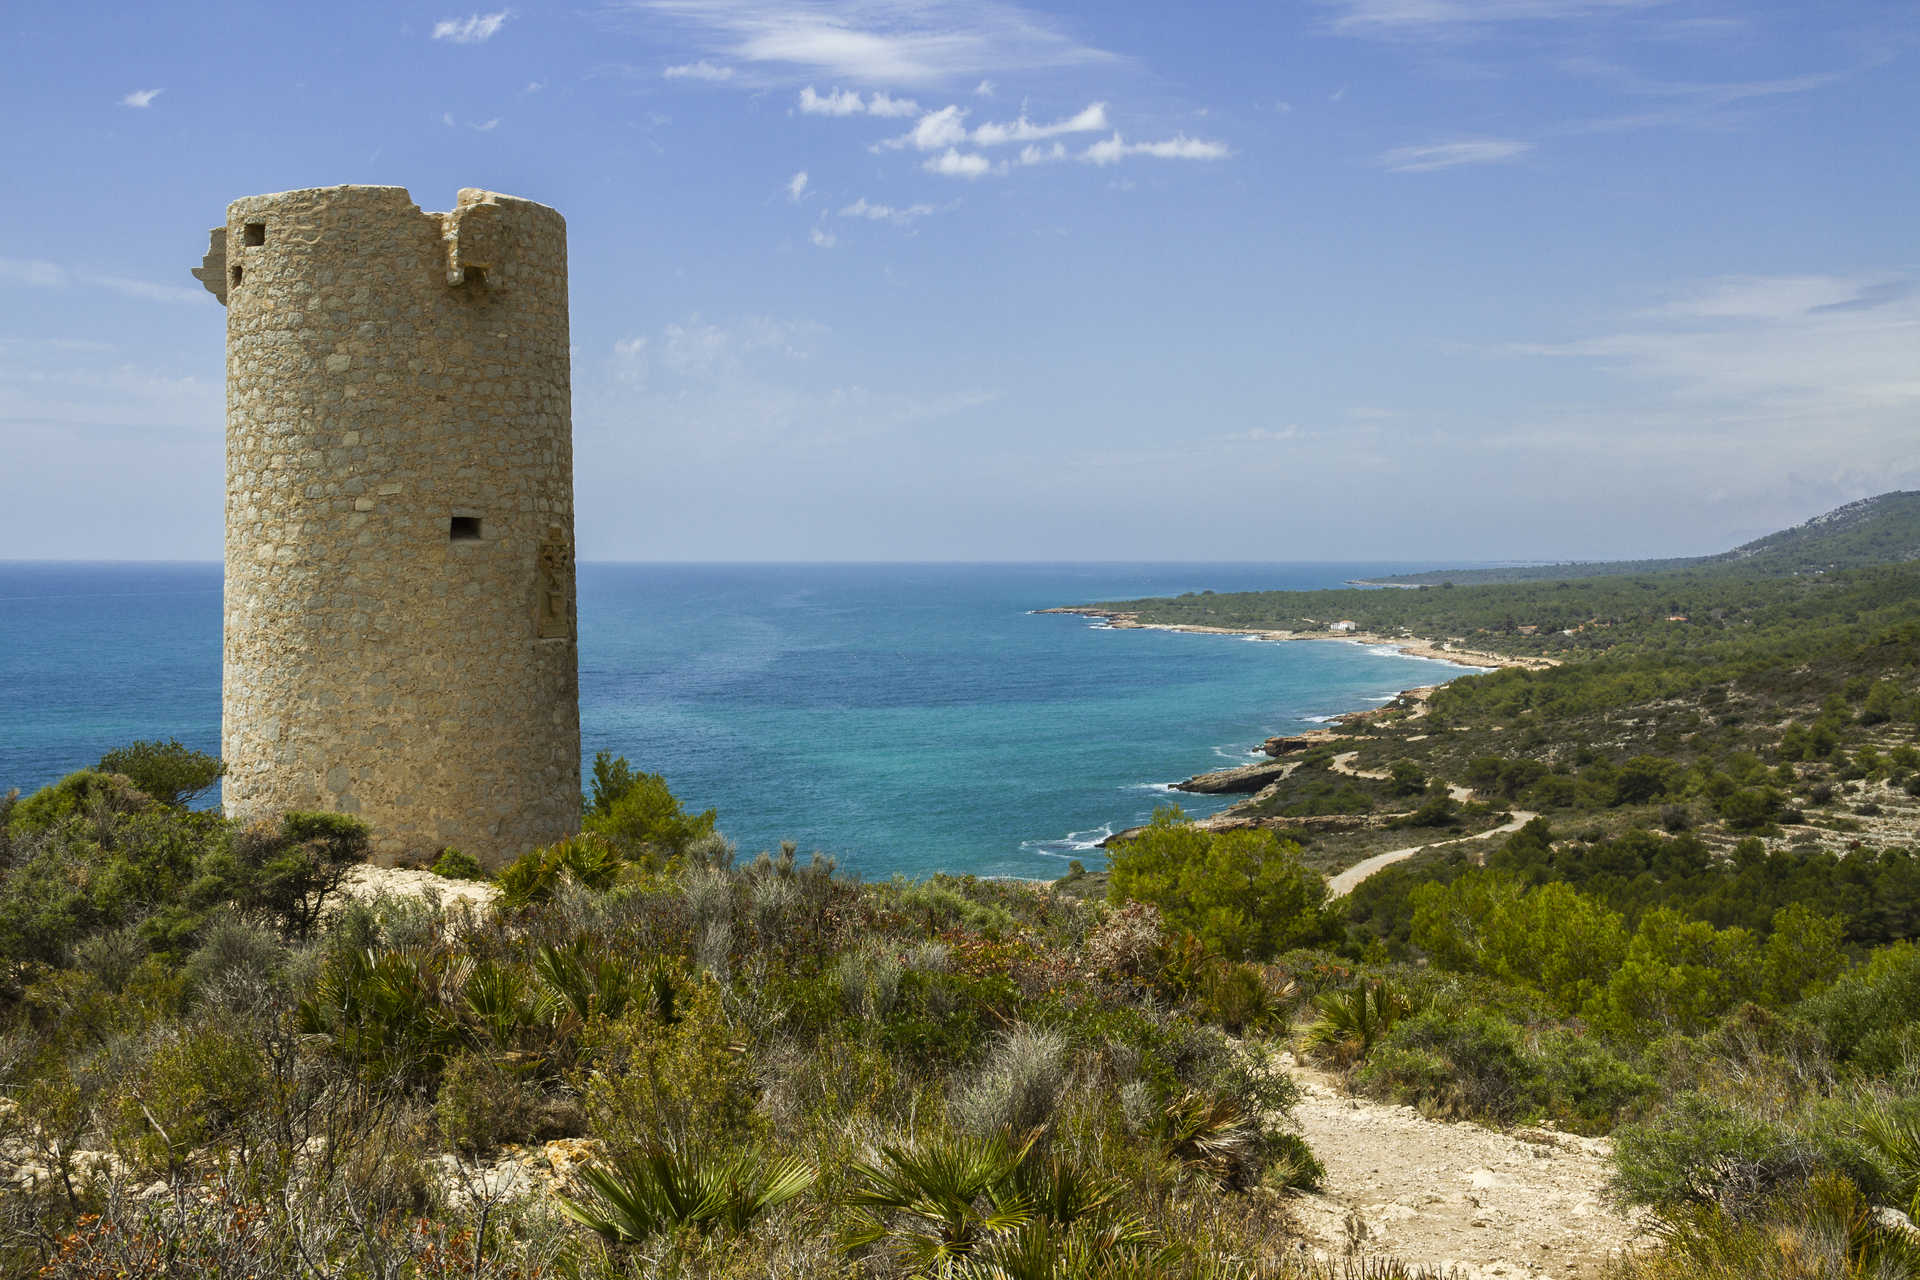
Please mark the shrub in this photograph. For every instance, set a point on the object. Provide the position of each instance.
(1586, 1087)
(1486, 1071)
(1292, 1166)
(286, 872)
(1868, 1014)
(1129, 942)
(1018, 1090)
(683, 1186)
(1245, 893)
(587, 860)
(1701, 1151)
(1352, 1021)
(455, 865)
(172, 774)
(1240, 996)
(483, 1103)
(640, 813)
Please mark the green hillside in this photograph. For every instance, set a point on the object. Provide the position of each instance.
(1879, 530)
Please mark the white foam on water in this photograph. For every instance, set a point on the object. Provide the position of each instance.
(1074, 842)
(1161, 788)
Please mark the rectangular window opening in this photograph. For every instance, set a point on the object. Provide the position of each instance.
(236, 275)
(477, 277)
(256, 233)
(463, 528)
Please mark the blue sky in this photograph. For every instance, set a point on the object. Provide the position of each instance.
(909, 279)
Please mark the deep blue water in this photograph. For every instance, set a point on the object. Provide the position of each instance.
(911, 718)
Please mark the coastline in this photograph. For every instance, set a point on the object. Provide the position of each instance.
(1337, 728)
(1411, 646)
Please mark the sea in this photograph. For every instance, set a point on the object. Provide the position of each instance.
(906, 719)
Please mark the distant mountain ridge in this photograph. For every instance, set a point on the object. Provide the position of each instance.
(1884, 529)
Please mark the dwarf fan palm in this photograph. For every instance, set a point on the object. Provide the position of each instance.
(670, 1186)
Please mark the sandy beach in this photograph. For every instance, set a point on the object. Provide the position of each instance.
(1451, 650)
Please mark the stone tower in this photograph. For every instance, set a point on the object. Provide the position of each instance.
(400, 626)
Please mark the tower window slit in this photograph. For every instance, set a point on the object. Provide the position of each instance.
(463, 528)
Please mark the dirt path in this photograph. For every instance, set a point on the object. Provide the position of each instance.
(1525, 1205)
(1347, 881)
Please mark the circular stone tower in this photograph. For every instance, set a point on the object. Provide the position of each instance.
(399, 564)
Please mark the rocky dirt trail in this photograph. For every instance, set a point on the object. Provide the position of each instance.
(1522, 1205)
(1348, 880)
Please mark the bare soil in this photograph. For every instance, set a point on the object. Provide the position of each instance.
(1527, 1204)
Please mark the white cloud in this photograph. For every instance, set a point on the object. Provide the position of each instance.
(1115, 149)
(1397, 18)
(701, 70)
(847, 102)
(630, 363)
(885, 213)
(142, 98)
(33, 271)
(37, 273)
(1446, 155)
(881, 42)
(1036, 154)
(534, 86)
(1090, 120)
(984, 89)
(947, 127)
(953, 163)
(837, 103)
(1266, 434)
(486, 126)
(477, 29)
(822, 239)
(698, 349)
(883, 104)
(1755, 377)
(797, 185)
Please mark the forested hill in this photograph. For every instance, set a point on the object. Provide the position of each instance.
(1878, 530)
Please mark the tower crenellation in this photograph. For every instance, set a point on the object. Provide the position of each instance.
(400, 623)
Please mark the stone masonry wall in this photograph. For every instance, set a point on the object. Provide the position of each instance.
(400, 621)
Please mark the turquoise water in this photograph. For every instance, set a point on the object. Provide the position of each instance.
(906, 718)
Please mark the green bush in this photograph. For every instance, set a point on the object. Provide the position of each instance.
(588, 860)
(639, 813)
(1244, 893)
(1868, 1015)
(483, 1103)
(1488, 1073)
(1701, 1151)
(455, 865)
(285, 873)
(174, 775)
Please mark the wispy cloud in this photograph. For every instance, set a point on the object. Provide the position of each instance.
(1115, 149)
(1447, 155)
(954, 163)
(847, 102)
(822, 238)
(879, 42)
(701, 70)
(1768, 374)
(861, 208)
(475, 29)
(797, 186)
(947, 127)
(141, 98)
(984, 89)
(37, 273)
(1402, 18)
